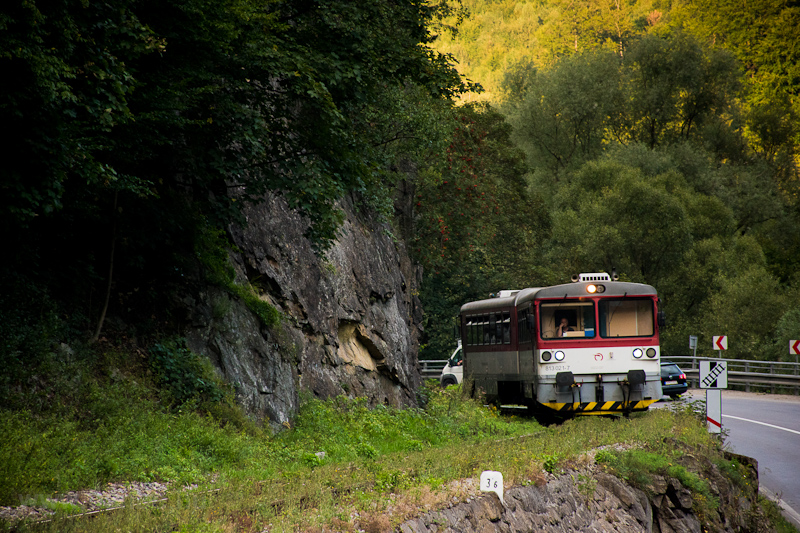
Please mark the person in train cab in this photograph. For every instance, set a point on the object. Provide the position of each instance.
(564, 327)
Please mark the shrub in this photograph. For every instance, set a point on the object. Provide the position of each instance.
(29, 331)
(183, 373)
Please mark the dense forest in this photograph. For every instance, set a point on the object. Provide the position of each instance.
(660, 138)
(138, 130)
(546, 138)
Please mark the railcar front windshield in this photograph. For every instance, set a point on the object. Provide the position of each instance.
(567, 318)
(614, 318)
(626, 317)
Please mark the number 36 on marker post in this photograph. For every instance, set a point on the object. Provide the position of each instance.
(492, 481)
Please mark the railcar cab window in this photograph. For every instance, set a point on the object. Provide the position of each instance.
(626, 318)
(489, 328)
(579, 318)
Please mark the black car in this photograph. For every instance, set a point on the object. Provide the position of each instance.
(673, 380)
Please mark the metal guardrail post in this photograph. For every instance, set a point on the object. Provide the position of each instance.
(772, 371)
(747, 369)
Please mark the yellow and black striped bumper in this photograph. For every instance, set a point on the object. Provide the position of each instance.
(598, 408)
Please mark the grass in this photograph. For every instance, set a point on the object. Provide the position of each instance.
(61, 508)
(374, 459)
(112, 416)
(773, 513)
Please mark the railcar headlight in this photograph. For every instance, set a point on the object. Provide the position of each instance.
(546, 356)
(638, 353)
(591, 289)
(559, 355)
(651, 352)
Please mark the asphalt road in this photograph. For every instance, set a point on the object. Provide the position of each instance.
(767, 428)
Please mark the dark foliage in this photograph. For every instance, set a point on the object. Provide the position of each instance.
(135, 123)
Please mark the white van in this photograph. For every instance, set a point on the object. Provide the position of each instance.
(453, 371)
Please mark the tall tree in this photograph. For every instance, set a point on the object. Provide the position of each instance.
(148, 116)
(476, 226)
(675, 87)
(610, 215)
(564, 115)
(67, 84)
(764, 35)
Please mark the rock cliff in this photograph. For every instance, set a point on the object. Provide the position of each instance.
(351, 318)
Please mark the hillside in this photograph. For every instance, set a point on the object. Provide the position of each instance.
(660, 138)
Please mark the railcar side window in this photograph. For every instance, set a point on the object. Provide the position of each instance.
(491, 328)
(579, 316)
(626, 318)
(504, 328)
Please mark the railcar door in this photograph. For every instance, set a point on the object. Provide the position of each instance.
(491, 358)
(526, 342)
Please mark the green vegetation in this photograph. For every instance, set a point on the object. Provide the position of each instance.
(652, 136)
(473, 222)
(645, 135)
(500, 37)
(339, 463)
(92, 417)
(773, 514)
(142, 128)
(638, 466)
(91, 414)
(185, 375)
(653, 143)
(212, 251)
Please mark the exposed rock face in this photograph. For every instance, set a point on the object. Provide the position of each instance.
(352, 318)
(594, 501)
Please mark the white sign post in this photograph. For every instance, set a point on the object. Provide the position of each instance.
(714, 410)
(713, 378)
(492, 481)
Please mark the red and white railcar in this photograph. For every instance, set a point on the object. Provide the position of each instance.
(603, 360)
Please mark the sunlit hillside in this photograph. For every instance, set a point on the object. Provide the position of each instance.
(691, 105)
(498, 37)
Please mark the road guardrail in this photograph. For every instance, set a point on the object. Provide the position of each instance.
(432, 368)
(744, 372)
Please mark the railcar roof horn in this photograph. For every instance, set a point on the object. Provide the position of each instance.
(591, 276)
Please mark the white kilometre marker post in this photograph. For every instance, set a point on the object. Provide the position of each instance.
(492, 481)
